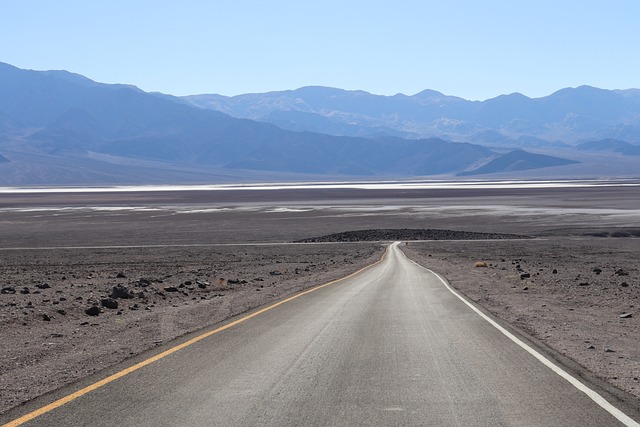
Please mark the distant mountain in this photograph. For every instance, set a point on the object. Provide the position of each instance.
(564, 117)
(61, 128)
(517, 160)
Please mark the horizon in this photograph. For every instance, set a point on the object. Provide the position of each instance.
(463, 49)
(339, 88)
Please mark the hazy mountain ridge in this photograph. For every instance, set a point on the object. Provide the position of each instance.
(60, 127)
(569, 115)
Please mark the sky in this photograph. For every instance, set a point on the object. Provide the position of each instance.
(468, 48)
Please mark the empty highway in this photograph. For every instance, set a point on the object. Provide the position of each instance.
(389, 346)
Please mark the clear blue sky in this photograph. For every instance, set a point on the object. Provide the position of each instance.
(469, 48)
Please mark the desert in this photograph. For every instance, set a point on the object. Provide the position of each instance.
(158, 266)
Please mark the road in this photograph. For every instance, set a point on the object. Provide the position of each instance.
(389, 346)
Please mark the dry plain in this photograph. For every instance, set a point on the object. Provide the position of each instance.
(185, 260)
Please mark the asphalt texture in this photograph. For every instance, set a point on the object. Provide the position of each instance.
(390, 346)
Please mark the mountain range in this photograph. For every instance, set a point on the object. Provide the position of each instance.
(60, 128)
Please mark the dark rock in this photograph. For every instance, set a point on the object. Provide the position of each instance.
(624, 285)
(202, 285)
(583, 284)
(608, 350)
(621, 272)
(591, 347)
(171, 289)
(554, 271)
(62, 312)
(597, 270)
(525, 276)
(25, 291)
(143, 282)
(625, 316)
(46, 318)
(94, 310)
(43, 286)
(120, 291)
(275, 273)
(526, 288)
(188, 283)
(109, 303)
(121, 276)
(8, 290)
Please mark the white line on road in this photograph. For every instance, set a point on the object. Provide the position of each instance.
(593, 395)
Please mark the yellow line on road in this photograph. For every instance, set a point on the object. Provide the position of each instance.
(73, 396)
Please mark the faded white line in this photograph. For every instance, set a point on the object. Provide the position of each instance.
(593, 395)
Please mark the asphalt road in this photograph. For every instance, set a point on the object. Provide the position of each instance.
(390, 346)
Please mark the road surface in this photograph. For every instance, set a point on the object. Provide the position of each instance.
(390, 346)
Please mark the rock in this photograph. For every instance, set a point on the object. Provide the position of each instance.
(121, 276)
(591, 347)
(170, 289)
(621, 272)
(275, 273)
(597, 270)
(25, 291)
(202, 285)
(120, 291)
(62, 312)
(94, 310)
(144, 282)
(109, 303)
(46, 318)
(626, 315)
(526, 288)
(525, 276)
(608, 350)
(8, 290)
(554, 271)
(43, 286)
(624, 285)
(188, 283)
(583, 284)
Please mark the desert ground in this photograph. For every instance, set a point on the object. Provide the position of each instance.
(160, 265)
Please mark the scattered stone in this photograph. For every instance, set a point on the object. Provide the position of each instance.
(583, 284)
(120, 291)
(202, 285)
(25, 291)
(188, 283)
(608, 350)
(46, 317)
(275, 273)
(94, 310)
(591, 347)
(170, 289)
(624, 285)
(43, 286)
(525, 276)
(62, 312)
(109, 303)
(554, 271)
(621, 272)
(144, 282)
(8, 290)
(121, 276)
(626, 315)
(526, 288)
(597, 270)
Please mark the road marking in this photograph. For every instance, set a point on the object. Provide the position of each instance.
(73, 396)
(593, 395)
